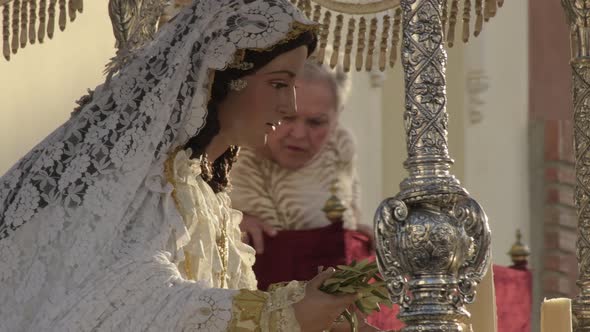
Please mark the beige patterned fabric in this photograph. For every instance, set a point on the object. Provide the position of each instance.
(293, 200)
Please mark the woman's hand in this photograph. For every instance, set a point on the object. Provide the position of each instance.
(255, 229)
(317, 311)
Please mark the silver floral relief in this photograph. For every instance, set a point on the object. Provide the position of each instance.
(577, 13)
(424, 61)
(433, 240)
(581, 96)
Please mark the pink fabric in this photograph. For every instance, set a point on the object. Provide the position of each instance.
(513, 299)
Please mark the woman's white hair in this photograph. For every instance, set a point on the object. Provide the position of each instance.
(336, 78)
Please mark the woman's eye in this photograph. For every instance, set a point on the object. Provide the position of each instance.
(316, 123)
(278, 85)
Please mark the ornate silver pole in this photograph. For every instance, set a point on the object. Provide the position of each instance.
(432, 238)
(578, 16)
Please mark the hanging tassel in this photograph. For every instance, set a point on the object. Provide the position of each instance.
(51, 21)
(445, 4)
(301, 5)
(384, 36)
(348, 47)
(478, 18)
(466, 16)
(324, 37)
(42, 20)
(500, 3)
(336, 43)
(397, 18)
(360, 44)
(32, 21)
(62, 15)
(6, 31)
(15, 25)
(317, 12)
(71, 10)
(79, 5)
(24, 22)
(490, 9)
(307, 6)
(452, 22)
(371, 48)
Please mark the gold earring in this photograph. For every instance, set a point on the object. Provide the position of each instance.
(238, 85)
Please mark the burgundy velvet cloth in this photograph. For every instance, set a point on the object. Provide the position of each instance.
(296, 255)
(513, 299)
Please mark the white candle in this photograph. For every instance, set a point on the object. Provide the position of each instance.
(556, 315)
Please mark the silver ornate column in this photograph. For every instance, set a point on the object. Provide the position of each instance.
(578, 16)
(432, 238)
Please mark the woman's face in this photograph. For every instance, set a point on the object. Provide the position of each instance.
(249, 115)
(302, 135)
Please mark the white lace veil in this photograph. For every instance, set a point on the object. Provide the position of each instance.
(94, 163)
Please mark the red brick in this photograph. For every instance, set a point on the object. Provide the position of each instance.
(560, 195)
(562, 263)
(551, 140)
(562, 174)
(554, 283)
(561, 216)
(566, 144)
(561, 239)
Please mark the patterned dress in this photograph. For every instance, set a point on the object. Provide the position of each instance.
(294, 199)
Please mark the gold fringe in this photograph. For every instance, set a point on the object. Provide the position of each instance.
(51, 21)
(336, 43)
(15, 24)
(397, 18)
(466, 15)
(317, 12)
(72, 10)
(360, 45)
(479, 17)
(62, 15)
(42, 20)
(349, 42)
(324, 37)
(307, 6)
(452, 22)
(6, 32)
(32, 21)
(490, 9)
(371, 48)
(24, 22)
(384, 36)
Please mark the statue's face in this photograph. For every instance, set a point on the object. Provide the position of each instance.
(247, 116)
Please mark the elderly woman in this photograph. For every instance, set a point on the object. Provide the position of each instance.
(302, 189)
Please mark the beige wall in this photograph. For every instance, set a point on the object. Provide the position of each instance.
(40, 84)
(496, 150)
(362, 115)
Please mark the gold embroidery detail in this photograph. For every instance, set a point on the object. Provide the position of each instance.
(248, 307)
